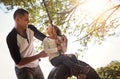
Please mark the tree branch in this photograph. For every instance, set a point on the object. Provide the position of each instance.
(95, 21)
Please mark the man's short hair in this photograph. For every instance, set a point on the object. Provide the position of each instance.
(20, 12)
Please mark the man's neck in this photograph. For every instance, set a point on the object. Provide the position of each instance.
(21, 31)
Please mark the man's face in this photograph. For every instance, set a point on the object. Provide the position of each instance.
(23, 21)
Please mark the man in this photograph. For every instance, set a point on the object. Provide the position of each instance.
(20, 44)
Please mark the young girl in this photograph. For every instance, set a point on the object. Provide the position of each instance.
(55, 45)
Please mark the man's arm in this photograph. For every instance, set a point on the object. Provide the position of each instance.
(27, 60)
(13, 47)
(43, 54)
(37, 33)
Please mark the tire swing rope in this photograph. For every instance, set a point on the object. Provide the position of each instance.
(50, 20)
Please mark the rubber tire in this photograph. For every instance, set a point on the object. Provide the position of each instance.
(60, 72)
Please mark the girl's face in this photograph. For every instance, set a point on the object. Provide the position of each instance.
(49, 30)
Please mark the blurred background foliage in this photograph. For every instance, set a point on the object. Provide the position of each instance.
(111, 71)
(86, 25)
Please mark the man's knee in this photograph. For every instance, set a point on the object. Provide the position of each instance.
(26, 75)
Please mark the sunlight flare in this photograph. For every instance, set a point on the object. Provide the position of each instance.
(94, 7)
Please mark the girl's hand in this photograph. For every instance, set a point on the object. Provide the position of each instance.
(59, 47)
(58, 42)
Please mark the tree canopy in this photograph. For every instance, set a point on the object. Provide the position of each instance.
(111, 71)
(80, 18)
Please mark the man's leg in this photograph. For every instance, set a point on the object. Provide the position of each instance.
(24, 73)
(38, 73)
